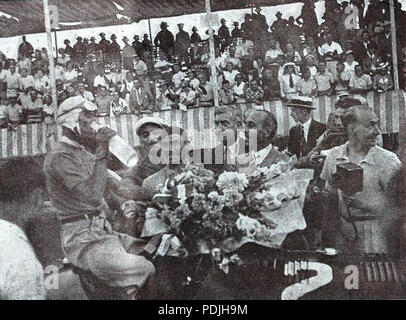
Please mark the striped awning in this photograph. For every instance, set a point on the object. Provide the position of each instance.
(37, 139)
(98, 13)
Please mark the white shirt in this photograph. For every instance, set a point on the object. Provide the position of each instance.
(260, 155)
(273, 53)
(4, 74)
(230, 76)
(326, 48)
(306, 127)
(350, 68)
(99, 80)
(21, 274)
(177, 78)
(87, 95)
(70, 75)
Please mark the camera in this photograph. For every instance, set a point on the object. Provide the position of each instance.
(348, 177)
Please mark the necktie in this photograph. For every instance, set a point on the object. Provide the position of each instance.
(302, 139)
(291, 84)
(138, 96)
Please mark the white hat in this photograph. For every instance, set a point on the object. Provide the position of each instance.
(301, 102)
(69, 110)
(150, 120)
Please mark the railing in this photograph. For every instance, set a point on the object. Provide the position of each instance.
(35, 139)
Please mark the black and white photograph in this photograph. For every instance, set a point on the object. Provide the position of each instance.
(210, 150)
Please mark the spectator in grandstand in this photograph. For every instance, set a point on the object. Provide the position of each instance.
(25, 49)
(372, 60)
(274, 54)
(165, 41)
(146, 43)
(182, 44)
(279, 28)
(137, 45)
(310, 64)
(41, 81)
(70, 73)
(86, 94)
(230, 73)
(307, 86)
(240, 89)
(63, 58)
(350, 63)
(307, 18)
(288, 81)
(25, 63)
(195, 38)
(187, 97)
(140, 67)
(385, 43)
(341, 79)
(31, 105)
(226, 94)
(14, 113)
(101, 79)
(127, 86)
(324, 80)
(360, 82)
(162, 64)
(194, 82)
(103, 44)
(93, 47)
(311, 49)
(362, 45)
(236, 32)
(382, 79)
(271, 84)
(49, 108)
(118, 105)
(331, 52)
(254, 93)
(117, 75)
(79, 50)
(103, 100)
(230, 57)
(39, 62)
(224, 35)
(141, 99)
(178, 76)
(292, 55)
(26, 79)
(13, 80)
(114, 51)
(128, 54)
(68, 48)
(204, 90)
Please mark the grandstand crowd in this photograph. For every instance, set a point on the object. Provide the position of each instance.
(255, 61)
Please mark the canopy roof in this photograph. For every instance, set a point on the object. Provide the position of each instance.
(98, 13)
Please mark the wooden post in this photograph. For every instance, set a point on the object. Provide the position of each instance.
(394, 44)
(50, 54)
(152, 43)
(56, 44)
(212, 56)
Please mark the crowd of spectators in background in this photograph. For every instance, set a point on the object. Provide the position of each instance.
(254, 61)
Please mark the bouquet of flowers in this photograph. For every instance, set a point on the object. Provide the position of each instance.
(206, 212)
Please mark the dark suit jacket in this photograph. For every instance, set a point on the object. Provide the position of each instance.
(147, 100)
(294, 145)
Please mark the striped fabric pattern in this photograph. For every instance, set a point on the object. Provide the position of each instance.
(35, 139)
